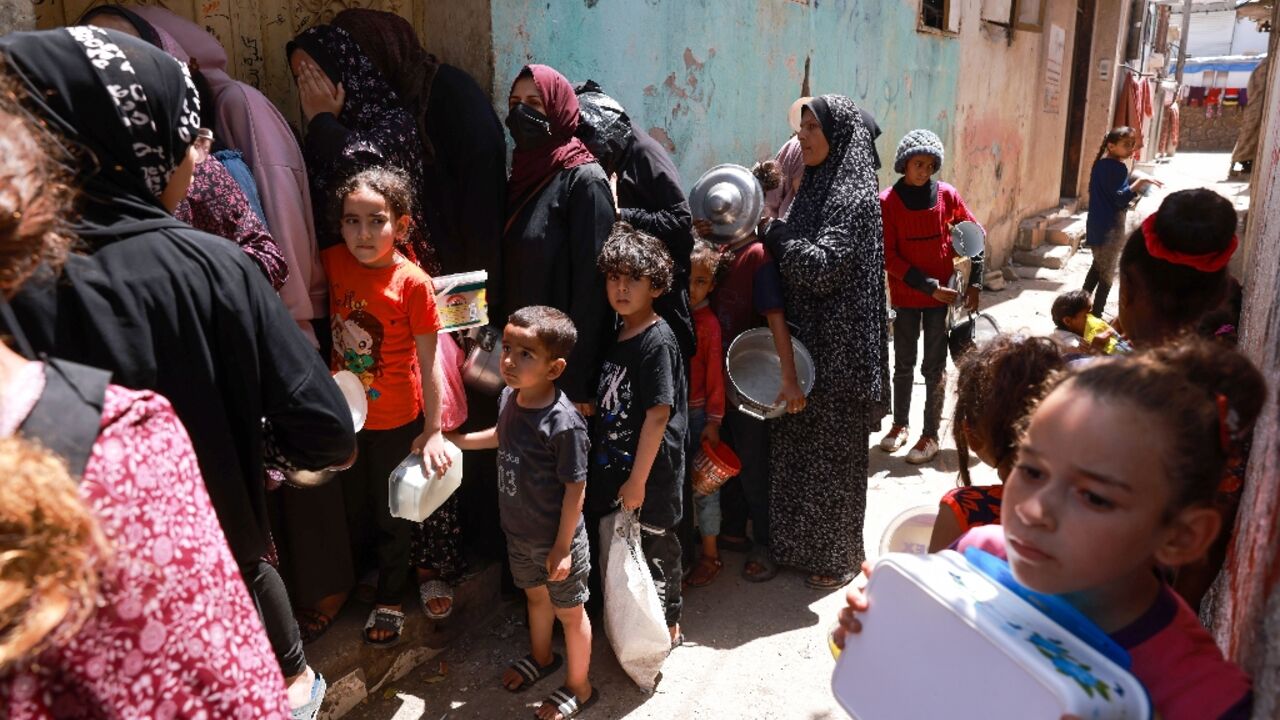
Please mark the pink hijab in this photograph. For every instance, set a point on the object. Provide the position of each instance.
(530, 167)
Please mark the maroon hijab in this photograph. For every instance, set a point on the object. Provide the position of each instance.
(530, 167)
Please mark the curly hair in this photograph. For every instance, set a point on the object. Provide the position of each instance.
(393, 185)
(50, 549)
(769, 173)
(999, 384)
(35, 195)
(631, 252)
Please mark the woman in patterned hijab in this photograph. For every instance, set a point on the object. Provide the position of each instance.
(139, 166)
(830, 251)
(354, 121)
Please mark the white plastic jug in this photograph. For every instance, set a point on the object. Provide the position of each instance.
(414, 495)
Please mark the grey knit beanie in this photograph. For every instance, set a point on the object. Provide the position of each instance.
(918, 142)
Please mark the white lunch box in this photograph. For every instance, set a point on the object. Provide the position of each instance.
(943, 640)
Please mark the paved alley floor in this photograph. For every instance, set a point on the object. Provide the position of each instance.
(752, 651)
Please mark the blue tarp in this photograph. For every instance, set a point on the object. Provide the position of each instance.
(1224, 64)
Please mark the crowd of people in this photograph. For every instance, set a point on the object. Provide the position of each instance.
(187, 501)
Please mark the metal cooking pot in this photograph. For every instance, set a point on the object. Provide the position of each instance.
(755, 373)
(481, 371)
(731, 198)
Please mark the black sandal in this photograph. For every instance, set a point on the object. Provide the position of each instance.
(531, 672)
(828, 582)
(761, 559)
(384, 619)
(568, 704)
(312, 624)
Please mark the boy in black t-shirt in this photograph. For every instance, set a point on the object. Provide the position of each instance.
(641, 409)
(543, 447)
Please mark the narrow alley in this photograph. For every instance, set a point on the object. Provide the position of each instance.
(755, 651)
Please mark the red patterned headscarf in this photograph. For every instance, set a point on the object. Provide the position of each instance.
(530, 167)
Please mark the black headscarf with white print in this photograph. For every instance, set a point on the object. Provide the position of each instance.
(128, 109)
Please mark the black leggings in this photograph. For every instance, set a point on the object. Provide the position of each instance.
(272, 601)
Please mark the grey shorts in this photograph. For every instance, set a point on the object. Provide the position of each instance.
(529, 569)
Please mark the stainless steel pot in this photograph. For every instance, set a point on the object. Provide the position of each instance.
(481, 371)
(755, 373)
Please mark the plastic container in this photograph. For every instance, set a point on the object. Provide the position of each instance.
(713, 466)
(460, 300)
(938, 630)
(414, 495)
(353, 392)
(910, 531)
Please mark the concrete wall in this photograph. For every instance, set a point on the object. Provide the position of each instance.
(1110, 23)
(1246, 620)
(1006, 147)
(16, 15)
(458, 32)
(713, 80)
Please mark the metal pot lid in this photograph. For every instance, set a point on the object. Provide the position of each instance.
(968, 238)
(731, 198)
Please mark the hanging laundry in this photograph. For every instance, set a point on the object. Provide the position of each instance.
(1231, 97)
(1195, 96)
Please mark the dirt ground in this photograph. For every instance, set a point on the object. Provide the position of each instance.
(752, 651)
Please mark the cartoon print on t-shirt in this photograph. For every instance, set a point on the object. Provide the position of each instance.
(615, 408)
(508, 468)
(357, 343)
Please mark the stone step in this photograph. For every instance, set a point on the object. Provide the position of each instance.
(994, 280)
(1030, 233)
(1047, 256)
(355, 670)
(1031, 272)
(1066, 231)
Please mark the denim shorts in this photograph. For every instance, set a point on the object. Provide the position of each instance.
(529, 569)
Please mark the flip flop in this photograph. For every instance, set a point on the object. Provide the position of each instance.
(312, 624)
(568, 704)
(830, 583)
(531, 672)
(760, 556)
(312, 708)
(384, 619)
(435, 590)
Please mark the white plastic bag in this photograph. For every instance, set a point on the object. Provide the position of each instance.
(633, 616)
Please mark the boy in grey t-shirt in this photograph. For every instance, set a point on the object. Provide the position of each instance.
(543, 447)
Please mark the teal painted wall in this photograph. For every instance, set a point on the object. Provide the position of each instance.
(713, 79)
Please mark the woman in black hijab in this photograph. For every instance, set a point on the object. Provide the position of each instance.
(165, 307)
(830, 251)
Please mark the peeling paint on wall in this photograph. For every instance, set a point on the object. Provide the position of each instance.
(718, 80)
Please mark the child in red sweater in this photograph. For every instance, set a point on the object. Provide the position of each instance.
(919, 212)
(706, 396)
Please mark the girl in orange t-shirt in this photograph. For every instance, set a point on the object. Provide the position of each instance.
(384, 326)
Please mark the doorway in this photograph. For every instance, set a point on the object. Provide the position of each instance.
(1081, 65)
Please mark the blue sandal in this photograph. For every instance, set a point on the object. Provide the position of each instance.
(312, 708)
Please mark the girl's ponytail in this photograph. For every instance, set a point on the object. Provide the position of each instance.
(1114, 135)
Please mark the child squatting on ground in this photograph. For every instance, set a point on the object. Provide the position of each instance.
(543, 448)
(1081, 332)
(384, 330)
(640, 423)
(1098, 527)
(998, 384)
(919, 213)
(1110, 194)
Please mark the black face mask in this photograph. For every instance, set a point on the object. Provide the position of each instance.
(529, 128)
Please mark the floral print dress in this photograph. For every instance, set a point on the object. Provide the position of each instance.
(175, 635)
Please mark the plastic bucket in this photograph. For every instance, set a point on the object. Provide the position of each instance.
(460, 300)
(713, 466)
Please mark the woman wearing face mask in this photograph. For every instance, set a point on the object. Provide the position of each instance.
(559, 213)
